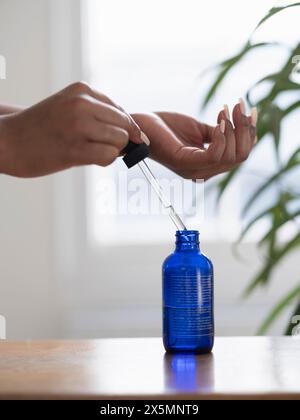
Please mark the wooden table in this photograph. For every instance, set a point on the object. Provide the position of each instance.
(264, 368)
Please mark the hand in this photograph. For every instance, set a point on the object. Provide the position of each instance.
(77, 126)
(178, 141)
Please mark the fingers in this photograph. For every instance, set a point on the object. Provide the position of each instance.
(193, 158)
(99, 144)
(244, 135)
(97, 131)
(93, 153)
(230, 144)
(206, 131)
(253, 122)
(218, 143)
(229, 155)
(134, 130)
(88, 114)
(81, 89)
(109, 115)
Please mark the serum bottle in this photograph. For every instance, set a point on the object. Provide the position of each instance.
(188, 298)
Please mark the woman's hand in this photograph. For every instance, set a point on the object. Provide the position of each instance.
(77, 126)
(179, 142)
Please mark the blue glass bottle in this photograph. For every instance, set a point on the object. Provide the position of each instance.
(188, 298)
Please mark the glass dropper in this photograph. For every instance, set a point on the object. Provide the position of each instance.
(160, 194)
(135, 154)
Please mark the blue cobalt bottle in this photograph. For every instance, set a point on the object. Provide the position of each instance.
(188, 298)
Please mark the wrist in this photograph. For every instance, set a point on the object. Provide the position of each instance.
(149, 124)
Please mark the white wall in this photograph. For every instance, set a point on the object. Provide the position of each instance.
(26, 265)
(46, 289)
(119, 292)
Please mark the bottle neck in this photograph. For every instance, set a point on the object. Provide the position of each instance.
(187, 241)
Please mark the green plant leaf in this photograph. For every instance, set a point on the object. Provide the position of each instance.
(226, 66)
(224, 183)
(280, 82)
(272, 117)
(263, 127)
(256, 219)
(274, 11)
(293, 163)
(273, 259)
(287, 300)
(269, 212)
(275, 118)
(262, 189)
(295, 106)
(288, 218)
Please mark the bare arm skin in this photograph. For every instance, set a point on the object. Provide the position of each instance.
(6, 110)
(77, 126)
(80, 126)
(180, 142)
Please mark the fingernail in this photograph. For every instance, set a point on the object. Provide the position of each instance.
(223, 126)
(254, 117)
(242, 106)
(145, 139)
(227, 112)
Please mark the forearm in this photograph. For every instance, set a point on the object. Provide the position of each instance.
(5, 109)
(3, 144)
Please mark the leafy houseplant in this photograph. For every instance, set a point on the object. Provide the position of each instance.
(286, 206)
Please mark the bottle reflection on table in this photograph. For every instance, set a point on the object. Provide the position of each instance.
(186, 373)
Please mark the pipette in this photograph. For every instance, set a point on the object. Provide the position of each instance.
(135, 154)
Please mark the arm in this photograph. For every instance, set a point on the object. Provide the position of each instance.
(77, 126)
(5, 109)
(198, 151)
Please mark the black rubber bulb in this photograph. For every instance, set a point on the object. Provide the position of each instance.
(135, 153)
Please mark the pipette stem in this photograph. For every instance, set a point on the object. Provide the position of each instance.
(159, 192)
